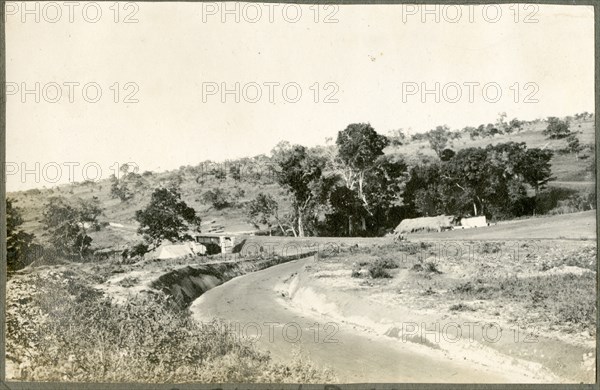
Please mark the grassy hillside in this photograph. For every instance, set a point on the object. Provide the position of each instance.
(570, 172)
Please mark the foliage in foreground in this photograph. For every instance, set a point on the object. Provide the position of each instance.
(66, 331)
(17, 240)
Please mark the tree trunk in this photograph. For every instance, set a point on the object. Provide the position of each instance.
(349, 226)
(300, 225)
(361, 194)
(363, 224)
(281, 227)
(475, 208)
(360, 186)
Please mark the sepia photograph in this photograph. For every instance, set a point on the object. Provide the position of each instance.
(277, 195)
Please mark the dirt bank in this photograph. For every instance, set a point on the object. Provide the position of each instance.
(466, 337)
(188, 283)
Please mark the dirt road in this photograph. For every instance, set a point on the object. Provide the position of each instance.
(356, 355)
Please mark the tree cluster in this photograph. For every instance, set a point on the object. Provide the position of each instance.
(557, 128)
(489, 181)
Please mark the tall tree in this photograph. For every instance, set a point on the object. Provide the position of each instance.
(264, 210)
(119, 185)
(535, 168)
(301, 173)
(167, 217)
(68, 223)
(386, 182)
(359, 147)
(515, 125)
(574, 145)
(346, 206)
(438, 138)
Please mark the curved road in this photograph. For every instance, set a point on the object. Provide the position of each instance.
(254, 308)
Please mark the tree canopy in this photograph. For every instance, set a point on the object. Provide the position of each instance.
(167, 217)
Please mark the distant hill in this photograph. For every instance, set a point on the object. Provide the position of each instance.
(570, 172)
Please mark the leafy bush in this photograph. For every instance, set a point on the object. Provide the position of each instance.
(387, 263)
(431, 267)
(139, 250)
(377, 271)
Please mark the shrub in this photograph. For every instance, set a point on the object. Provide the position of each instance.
(490, 247)
(377, 271)
(386, 263)
(431, 267)
(429, 291)
(128, 282)
(477, 290)
(461, 307)
(413, 249)
(139, 250)
(219, 198)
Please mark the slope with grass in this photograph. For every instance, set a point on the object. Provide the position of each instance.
(570, 172)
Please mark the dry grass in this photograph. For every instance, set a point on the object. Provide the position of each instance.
(60, 329)
(545, 283)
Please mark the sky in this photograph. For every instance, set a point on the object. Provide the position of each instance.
(181, 83)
